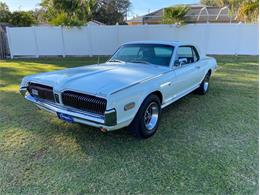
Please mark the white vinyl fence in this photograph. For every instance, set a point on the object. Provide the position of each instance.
(227, 39)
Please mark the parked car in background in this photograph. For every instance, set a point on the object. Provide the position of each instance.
(130, 89)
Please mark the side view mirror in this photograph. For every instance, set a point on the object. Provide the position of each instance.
(180, 62)
(177, 63)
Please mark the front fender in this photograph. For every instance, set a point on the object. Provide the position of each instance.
(136, 95)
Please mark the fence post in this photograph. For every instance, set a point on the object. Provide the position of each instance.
(9, 42)
(62, 42)
(117, 35)
(90, 40)
(237, 46)
(146, 32)
(207, 31)
(36, 42)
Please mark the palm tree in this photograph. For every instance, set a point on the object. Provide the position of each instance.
(69, 12)
(248, 11)
(175, 15)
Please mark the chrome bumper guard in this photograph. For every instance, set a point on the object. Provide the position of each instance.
(108, 119)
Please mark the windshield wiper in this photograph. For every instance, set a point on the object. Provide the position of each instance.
(140, 62)
(116, 60)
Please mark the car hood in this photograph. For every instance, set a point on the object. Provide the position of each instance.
(101, 79)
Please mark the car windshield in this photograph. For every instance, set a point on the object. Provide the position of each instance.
(158, 54)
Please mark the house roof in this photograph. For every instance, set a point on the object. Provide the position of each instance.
(136, 19)
(196, 13)
(95, 22)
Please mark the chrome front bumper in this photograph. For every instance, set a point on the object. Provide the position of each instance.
(107, 121)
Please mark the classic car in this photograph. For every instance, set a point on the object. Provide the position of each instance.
(129, 90)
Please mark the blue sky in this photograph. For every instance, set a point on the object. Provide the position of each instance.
(139, 7)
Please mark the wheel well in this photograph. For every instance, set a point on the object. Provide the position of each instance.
(158, 94)
(209, 71)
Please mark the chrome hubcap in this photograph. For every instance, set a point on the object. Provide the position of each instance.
(151, 116)
(206, 83)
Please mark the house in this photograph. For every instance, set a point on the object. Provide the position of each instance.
(135, 20)
(197, 13)
(4, 48)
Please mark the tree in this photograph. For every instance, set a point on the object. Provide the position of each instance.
(175, 15)
(249, 11)
(111, 11)
(215, 3)
(69, 12)
(246, 10)
(40, 15)
(22, 18)
(18, 18)
(5, 14)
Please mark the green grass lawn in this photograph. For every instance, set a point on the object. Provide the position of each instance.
(204, 144)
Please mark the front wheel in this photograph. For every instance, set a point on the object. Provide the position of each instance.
(204, 86)
(146, 121)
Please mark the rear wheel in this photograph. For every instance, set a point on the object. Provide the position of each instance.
(204, 86)
(146, 121)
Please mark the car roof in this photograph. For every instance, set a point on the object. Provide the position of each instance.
(172, 43)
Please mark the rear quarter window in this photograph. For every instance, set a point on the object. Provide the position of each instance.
(185, 52)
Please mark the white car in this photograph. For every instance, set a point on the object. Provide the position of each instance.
(130, 89)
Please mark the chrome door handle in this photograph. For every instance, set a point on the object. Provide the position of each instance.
(165, 84)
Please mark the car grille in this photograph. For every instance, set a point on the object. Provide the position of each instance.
(41, 91)
(84, 102)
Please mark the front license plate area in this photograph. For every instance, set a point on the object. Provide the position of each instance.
(65, 117)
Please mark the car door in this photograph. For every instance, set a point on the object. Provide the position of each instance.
(186, 73)
(200, 72)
